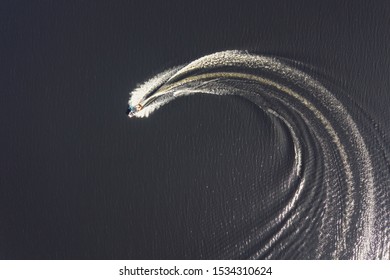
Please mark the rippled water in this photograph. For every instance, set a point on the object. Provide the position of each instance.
(329, 198)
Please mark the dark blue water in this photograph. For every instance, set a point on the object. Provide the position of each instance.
(79, 180)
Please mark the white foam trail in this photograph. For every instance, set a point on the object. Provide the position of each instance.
(231, 72)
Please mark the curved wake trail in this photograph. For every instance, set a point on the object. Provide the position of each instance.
(338, 186)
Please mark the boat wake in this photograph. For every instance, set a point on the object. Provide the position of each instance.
(336, 195)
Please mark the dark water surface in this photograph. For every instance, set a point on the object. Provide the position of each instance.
(78, 179)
